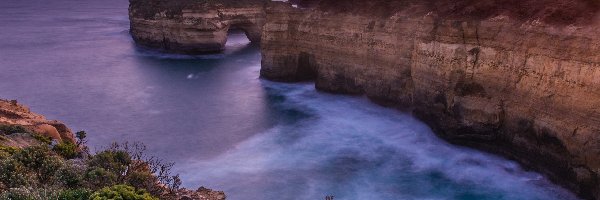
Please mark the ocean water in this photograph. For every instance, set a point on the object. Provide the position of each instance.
(224, 127)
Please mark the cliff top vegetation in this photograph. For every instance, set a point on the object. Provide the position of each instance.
(556, 12)
(49, 170)
(172, 8)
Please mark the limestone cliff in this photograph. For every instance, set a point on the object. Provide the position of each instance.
(522, 83)
(188, 26)
(516, 77)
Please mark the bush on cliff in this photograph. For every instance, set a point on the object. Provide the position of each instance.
(66, 149)
(6, 152)
(123, 192)
(44, 193)
(12, 129)
(73, 177)
(31, 166)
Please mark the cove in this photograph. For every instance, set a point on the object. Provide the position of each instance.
(226, 128)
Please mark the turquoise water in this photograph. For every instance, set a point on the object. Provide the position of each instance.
(223, 126)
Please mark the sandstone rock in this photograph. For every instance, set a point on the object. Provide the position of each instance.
(187, 26)
(12, 113)
(518, 78)
(48, 131)
(525, 88)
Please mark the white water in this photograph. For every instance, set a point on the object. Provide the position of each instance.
(352, 149)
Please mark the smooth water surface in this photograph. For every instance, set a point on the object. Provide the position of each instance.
(225, 128)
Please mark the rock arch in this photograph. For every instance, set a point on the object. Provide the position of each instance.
(198, 28)
(252, 31)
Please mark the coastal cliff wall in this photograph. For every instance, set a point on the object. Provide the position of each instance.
(188, 26)
(524, 86)
(517, 78)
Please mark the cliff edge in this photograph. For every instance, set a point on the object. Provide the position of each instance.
(15, 114)
(518, 78)
(34, 167)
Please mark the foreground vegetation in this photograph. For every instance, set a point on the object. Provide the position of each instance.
(66, 171)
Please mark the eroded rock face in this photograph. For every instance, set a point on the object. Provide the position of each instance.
(13, 113)
(188, 26)
(518, 78)
(525, 86)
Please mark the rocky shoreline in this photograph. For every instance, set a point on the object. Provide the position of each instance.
(518, 80)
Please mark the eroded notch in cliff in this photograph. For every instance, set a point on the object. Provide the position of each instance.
(252, 31)
(236, 37)
(307, 68)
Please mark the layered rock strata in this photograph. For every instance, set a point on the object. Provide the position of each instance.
(524, 87)
(188, 26)
(518, 78)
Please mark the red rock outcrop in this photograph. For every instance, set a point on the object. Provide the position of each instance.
(12, 113)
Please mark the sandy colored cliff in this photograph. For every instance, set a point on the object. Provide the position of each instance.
(190, 27)
(517, 78)
(526, 86)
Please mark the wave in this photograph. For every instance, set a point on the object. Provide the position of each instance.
(348, 147)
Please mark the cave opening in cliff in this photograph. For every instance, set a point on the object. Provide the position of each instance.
(237, 37)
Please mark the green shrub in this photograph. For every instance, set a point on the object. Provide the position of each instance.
(11, 129)
(13, 173)
(6, 151)
(29, 167)
(70, 176)
(34, 156)
(66, 149)
(115, 161)
(141, 179)
(123, 192)
(41, 161)
(99, 177)
(27, 193)
(47, 173)
(75, 194)
(51, 176)
(44, 139)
